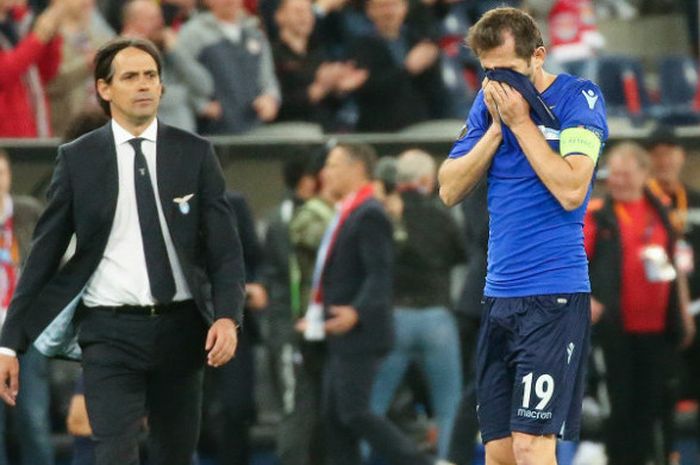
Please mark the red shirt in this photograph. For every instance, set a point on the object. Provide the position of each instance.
(643, 304)
(17, 115)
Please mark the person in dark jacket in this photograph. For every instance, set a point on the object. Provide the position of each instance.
(404, 84)
(429, 246)
(353, 289)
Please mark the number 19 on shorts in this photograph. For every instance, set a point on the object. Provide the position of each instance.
(544, 389)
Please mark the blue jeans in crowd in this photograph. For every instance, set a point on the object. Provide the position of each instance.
(428, 337)
(30, 416)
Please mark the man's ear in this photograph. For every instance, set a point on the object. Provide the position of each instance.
(104, 89)
(539, 56)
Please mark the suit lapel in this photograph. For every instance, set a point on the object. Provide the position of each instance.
(107, 171)
(167, 162)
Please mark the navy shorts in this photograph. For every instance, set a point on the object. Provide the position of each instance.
(531, 365)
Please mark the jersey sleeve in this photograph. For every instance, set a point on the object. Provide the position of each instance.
(584, 127)
(476, 125)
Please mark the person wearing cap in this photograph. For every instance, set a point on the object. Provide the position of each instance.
(667, 162)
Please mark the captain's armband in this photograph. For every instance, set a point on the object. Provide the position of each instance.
(579, 140)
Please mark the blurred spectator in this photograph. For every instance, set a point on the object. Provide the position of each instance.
(85, 122)
(691, 15)
(311, 85)
(573, 35)
(404, 84)
(18, 216)
(177, 12)
(479, 7)
(29, 58)
(667, 161)
(642, 317)
(468, 311)
(73, 89)
(231, 46)
(426, 331)
(78, 426)
(234, 383)
(188, 84)
(352, 285)
(296, 364)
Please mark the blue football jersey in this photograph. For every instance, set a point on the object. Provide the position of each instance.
(535, 246)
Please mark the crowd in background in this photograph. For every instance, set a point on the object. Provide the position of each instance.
(234, 65)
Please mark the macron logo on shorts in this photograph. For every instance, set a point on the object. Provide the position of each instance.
(569, 352)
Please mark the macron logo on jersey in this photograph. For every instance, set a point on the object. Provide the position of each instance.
(591, 98)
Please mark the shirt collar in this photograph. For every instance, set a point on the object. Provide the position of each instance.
(121, 135)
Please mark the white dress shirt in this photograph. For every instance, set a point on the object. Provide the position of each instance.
(121, 278)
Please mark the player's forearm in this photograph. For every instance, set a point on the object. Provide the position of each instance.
(567, 178)
(457, 177)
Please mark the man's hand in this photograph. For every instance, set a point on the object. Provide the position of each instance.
(512, 107)
(256, 296)
(212, 110)
(343, 319)
(421, 57)
(222, 340)
(266, 106)
(48, 22)
(597, 310)
(688, 330)
(351, 78)
(9, 379)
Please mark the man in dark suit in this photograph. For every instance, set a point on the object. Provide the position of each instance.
(157, 262)
(354, 264)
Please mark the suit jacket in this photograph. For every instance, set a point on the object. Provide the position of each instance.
(359, 272)
(82, 200)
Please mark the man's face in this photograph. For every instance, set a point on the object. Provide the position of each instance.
(225, 10)
(339, 172)
(135, 90)
(147, 19)
(626, 178)
(5, 176)
(387, 15)
(667, 162)
(504, 56)
(297, 16)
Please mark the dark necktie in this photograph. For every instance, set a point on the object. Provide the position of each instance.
(160, 274)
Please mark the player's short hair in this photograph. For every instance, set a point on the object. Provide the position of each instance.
(487, 33)
(413, 165)
(631, 150)
(363, 153)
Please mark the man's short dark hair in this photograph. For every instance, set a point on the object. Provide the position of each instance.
(105, 56)
(488, 32)
(362, 153)
(663, 135)
(85, 122)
